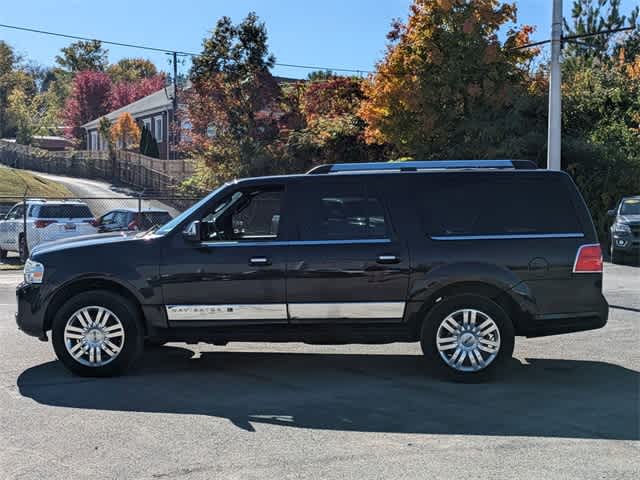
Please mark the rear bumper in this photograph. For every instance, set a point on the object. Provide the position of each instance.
(556, 324)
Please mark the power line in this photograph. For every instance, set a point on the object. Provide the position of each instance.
(165, 50)
(286, 65)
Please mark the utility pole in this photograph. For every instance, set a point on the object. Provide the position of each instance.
(173, 134)
(555, 93)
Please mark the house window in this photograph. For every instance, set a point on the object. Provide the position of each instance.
(147, 123)
(94, 140)
(158, 128)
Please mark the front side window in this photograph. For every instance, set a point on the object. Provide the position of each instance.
(245, 215)
(15, 212)
(341, 212)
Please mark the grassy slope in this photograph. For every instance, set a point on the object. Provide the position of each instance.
(15, 182)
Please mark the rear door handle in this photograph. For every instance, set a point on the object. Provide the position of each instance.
(259, 261)
(388, 259)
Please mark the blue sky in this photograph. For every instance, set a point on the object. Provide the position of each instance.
(332, 33)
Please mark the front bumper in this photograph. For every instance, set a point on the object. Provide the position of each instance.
(625, 243)
(30, 314)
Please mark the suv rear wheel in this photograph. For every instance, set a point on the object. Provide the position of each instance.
(467, 337)
(97, 334)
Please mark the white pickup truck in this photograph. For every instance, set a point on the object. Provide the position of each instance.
(46, 221)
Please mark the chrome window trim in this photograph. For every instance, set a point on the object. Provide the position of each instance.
(309, 311)
(515, 236)
(267, 311)
(282, 311)
(297, 243)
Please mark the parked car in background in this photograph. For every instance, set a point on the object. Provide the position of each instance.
(45, 221)
(625, 230)
(454, 255)
(131, 219)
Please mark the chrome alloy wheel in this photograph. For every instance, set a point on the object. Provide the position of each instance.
(468, 340)
(94, 336)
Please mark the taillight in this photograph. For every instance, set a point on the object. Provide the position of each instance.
(43, 223)
(588, 259)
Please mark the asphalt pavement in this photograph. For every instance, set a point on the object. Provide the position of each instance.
(567, 408)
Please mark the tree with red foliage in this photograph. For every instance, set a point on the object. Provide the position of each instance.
(126, 92)
(90, 98)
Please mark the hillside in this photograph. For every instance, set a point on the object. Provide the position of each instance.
(14, 183)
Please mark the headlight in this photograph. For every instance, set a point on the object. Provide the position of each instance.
(33, 272)
(621, 228)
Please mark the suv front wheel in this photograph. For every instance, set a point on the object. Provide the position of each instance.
(97, 334)
(467, 337)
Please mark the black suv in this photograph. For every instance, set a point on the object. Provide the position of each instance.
(459, 255)
(624, 237)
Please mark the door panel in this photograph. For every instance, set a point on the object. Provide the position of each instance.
(347, 264)
(235, 275)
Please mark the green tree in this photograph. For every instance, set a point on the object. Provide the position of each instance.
(232, 100)
(83, 55)
(131, 69)
(590, 16)
(320, 75)
(8, 61)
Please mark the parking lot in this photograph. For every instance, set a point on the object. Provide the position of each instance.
(568, 407)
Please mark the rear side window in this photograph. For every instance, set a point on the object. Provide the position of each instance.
(341, 212)
(496, 205)
(62, 211)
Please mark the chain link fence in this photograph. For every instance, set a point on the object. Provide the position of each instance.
(26, 222)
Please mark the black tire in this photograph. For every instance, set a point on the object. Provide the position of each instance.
(124, 310)
(616, 256)
(23, 250)
(3, 254)
(448, 306)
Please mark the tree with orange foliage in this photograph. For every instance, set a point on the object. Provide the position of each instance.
(125, 133)
(449, 87)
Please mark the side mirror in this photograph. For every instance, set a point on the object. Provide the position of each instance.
(611, 213)
(193, 232)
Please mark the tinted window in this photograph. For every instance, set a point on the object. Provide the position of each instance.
(475, 204)
(63, 211)
(341, 212)
(245, 215)
(259, 217)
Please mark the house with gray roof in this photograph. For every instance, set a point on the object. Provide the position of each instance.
(153, 111)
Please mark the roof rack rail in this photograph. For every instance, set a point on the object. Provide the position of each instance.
(414, 166)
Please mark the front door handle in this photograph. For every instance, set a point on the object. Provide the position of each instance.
(259, 261)
(386, 259)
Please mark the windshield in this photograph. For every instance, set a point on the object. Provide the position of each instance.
(168, 227)
(630, 207)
